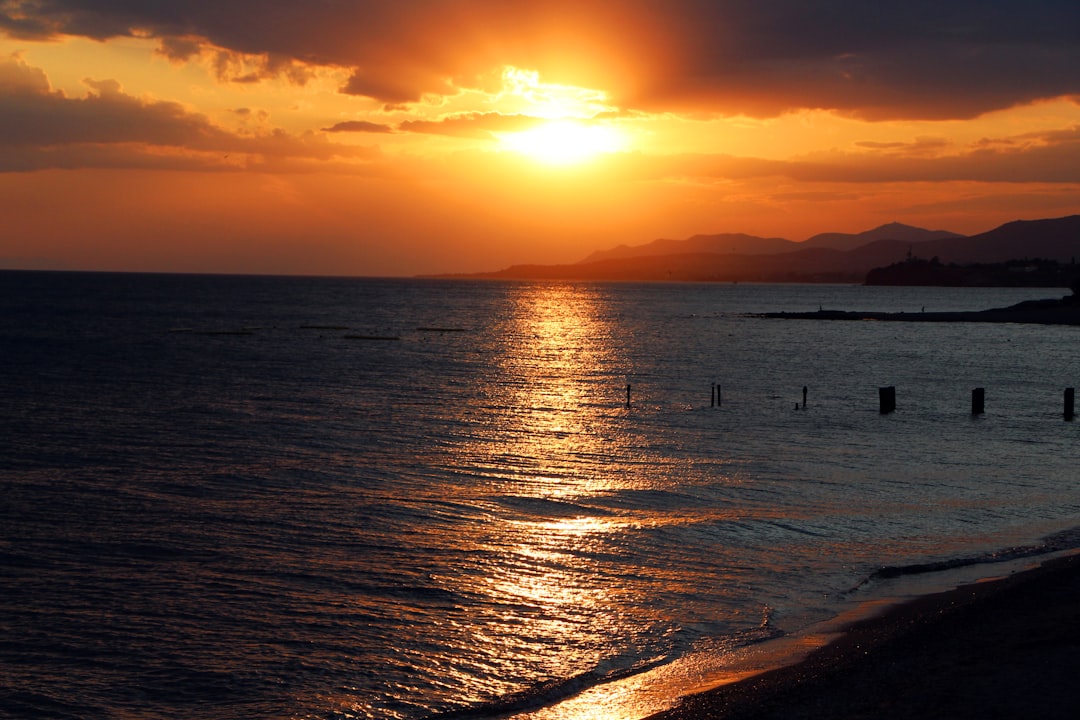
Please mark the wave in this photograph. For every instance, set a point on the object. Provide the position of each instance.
(1056, 542)
(546, 693)
(551, 692)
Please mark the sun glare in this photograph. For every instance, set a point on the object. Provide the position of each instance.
(564, 142)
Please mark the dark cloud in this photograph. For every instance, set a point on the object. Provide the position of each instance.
(180, 49)
(912, 59)
(927, 59)
(40, 127)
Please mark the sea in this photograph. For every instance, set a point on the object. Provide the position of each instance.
(416, 499)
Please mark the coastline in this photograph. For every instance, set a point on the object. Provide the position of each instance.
(1002, 648)
(1065, 311)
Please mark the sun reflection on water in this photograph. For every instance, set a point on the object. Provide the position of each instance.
(558, 601)
(544, 450)
(554, 383)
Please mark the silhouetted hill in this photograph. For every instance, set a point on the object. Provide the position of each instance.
(816, 260)
(743, 244)
(1053, 239)
(724, 244)
(891, 231)
(809, 265)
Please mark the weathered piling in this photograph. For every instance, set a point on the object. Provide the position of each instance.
(803, 397)
(978, 401)
(628, 395)
(1069, 395)
(887, 399)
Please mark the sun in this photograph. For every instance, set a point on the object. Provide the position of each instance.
(565, 142)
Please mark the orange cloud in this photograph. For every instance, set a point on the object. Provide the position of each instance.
(41, 128)
(916, 59)
(473, 125)
(362, 126)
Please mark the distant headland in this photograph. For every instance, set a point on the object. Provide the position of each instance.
(1031, 253)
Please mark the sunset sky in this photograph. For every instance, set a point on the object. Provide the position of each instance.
(370, 137)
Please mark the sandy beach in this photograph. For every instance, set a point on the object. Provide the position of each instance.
(1008, 648)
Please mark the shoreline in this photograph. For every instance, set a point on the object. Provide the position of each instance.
(1006, 647)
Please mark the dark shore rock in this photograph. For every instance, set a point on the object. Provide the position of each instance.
(1065, 311)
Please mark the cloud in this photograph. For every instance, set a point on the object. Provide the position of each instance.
(916, 59)
(396, 85)
(180, 49)
(473, 125)
(19, 78)
(41, 127)
(362, 126)
(1048, 158)
(1051, 157)
(477, 125)
(38, 116)
(921, 146)
(913, 59)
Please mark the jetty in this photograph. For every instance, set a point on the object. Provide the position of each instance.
(1065, 311)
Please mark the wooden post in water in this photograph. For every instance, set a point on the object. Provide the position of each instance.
(978, 401)
(803, 397)
(887, 399)
(1069, 395)
(628, 395)
(719, 401)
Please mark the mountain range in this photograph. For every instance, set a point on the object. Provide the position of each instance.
(828, 257)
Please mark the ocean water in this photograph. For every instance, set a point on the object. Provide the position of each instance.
(249, 497)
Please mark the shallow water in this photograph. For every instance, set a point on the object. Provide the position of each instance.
(327, 498)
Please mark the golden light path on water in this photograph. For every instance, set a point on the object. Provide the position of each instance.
(549, 423)
(556, 433)
(553, 421)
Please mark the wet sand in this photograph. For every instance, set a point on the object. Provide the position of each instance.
(1007, 648)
